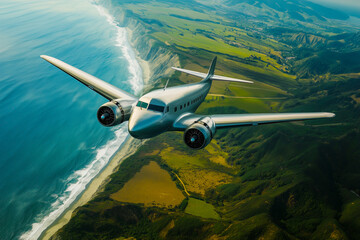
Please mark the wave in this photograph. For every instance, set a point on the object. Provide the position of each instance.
(77, 182)
(134, 68)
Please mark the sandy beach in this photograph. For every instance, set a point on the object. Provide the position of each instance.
(128, 148)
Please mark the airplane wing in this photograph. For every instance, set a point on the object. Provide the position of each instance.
(235, 120)
(101, 87)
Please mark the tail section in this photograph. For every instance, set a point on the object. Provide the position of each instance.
(210, 75)
(211, 69)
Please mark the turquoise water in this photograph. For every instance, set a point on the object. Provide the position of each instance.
(51, 144)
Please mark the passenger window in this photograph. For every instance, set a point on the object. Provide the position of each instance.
(175, 109)
(167, 109)
(188, 103)
(184, 105)
(180, 107)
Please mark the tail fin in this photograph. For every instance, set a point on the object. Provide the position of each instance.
(211, 69)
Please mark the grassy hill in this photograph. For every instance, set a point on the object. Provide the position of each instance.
(286, 181)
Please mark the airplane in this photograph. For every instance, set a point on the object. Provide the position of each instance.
(173, 108)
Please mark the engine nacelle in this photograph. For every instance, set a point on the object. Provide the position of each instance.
(199, 134)
(115, 112)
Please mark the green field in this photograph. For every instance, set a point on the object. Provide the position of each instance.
(202, 209)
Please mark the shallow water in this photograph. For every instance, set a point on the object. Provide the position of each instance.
(51, 143)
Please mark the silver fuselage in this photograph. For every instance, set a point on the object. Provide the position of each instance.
(177, 101)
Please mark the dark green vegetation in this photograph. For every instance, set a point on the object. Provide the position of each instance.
(284, 181)
(200, 208)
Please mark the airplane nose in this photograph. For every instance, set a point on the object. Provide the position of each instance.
(137, 130)
(144, 126)
(133, 128)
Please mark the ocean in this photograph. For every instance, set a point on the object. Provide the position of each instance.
(51, 144)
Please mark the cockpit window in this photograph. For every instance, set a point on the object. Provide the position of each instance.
(156, 108)
(142, 104)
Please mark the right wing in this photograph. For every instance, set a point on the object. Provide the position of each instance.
(103, 88)
(235, 120)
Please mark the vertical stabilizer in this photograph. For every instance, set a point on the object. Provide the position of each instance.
(211, 70)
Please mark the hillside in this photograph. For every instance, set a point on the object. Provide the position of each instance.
(283, 181)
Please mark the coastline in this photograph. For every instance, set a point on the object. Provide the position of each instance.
(145, 65)
(129, 147)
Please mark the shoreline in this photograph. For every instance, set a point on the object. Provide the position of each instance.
(145, 65)
(96, 185)
(128, 148)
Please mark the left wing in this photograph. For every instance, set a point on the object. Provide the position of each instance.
(101, 87)
(235, 120)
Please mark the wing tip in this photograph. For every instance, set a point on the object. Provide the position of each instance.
(330, 115)
(245, 81)
(46, 57)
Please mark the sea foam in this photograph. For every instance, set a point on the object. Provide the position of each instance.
(77, 182)
(134, 68)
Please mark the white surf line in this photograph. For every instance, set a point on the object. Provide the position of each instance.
(134, 68)
(81, 178)
(77, 183)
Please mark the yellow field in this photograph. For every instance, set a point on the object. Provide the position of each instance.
(216, 154)
(200, 180)
(152, 186)
(196, 169)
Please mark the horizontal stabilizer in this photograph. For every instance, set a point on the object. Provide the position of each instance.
(214, 77)
(103, 88)
(233, 120)
(221, 78)
(194, 73)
